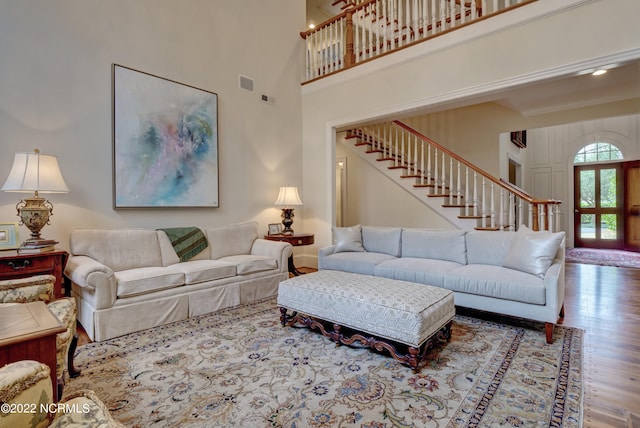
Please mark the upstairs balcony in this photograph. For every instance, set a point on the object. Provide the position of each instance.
(368, 29)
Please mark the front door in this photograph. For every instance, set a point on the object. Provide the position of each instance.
(598, 206)
(632, 205)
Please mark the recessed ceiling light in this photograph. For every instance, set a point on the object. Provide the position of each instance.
(599, 72)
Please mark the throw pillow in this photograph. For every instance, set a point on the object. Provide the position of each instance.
(533, 252)
(385, 240)
(348, 239)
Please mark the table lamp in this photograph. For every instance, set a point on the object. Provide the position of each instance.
(38, 173)
(287, 197)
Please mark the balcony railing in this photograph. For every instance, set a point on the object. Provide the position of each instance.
(371, 28)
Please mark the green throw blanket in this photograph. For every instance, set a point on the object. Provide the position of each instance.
(186, 241)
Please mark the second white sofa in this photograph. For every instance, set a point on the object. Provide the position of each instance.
(512, 273)
(127, 280)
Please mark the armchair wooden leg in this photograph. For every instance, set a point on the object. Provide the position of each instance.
(73, 372)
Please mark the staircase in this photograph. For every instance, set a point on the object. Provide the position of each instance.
(460, 192)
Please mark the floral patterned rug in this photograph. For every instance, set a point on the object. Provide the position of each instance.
(240, 368)
(594, 256)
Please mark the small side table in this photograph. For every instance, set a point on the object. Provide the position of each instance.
(297, 240)
(14, 265)
(28, 332)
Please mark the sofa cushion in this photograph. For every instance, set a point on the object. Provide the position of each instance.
(435, 244)
(196, 271)
(347, 239)
(498, 282)
(533, 252)
(487, 248)
(119, 249)
(133, 282)
(384, 240)
(232, 240)
(356, 262)
(246, 264)
(423, 271)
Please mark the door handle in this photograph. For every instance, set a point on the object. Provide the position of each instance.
(576, 210)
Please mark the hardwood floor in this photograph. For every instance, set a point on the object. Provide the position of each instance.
(605, 303)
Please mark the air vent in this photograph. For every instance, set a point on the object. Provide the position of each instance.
(246, 83)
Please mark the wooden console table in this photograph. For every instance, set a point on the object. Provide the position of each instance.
(28, 332)
(297, 239)
(14, 265)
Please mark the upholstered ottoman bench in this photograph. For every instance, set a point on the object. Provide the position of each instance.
(380, 313)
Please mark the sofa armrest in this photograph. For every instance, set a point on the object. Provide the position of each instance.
(281, 251)
(554, 286)
(95, 278)
(324, 252)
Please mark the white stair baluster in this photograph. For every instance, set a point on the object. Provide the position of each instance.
(458, 185)
(435, 172)
(402, 157)
(511, 208)
(452, 13)
(450, 180)
(397, 157)
(484, 203)
(415, 155)
(501, 215)
(493, 206)
(443, 172)
(429, 164)
(467, 194)
(476, 205)
(422, 162)
(425, 21)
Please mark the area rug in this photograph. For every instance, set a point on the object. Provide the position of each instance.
(240, 368)
(594, 256)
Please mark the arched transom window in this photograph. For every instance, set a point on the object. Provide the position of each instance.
(598, 152)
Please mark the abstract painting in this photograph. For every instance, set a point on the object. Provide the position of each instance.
(165, 140)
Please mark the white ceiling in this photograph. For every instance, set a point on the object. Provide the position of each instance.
(620, 83)
(574, 91)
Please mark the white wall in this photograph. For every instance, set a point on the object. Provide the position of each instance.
(55, 94)
(374, 200)
(500, 52)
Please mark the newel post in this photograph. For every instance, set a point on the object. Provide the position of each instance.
(349, 55)
(536, 221)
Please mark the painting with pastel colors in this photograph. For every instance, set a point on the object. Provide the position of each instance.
(165, 140)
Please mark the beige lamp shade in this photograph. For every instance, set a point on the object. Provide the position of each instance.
(35, 172)
(288, 196)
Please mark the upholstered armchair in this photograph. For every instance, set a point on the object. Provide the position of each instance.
(40, 287)
(26, 397)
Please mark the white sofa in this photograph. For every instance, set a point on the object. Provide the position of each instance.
(127, 280)
(519, 274)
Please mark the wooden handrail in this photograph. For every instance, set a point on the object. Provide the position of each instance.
(512, 188)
